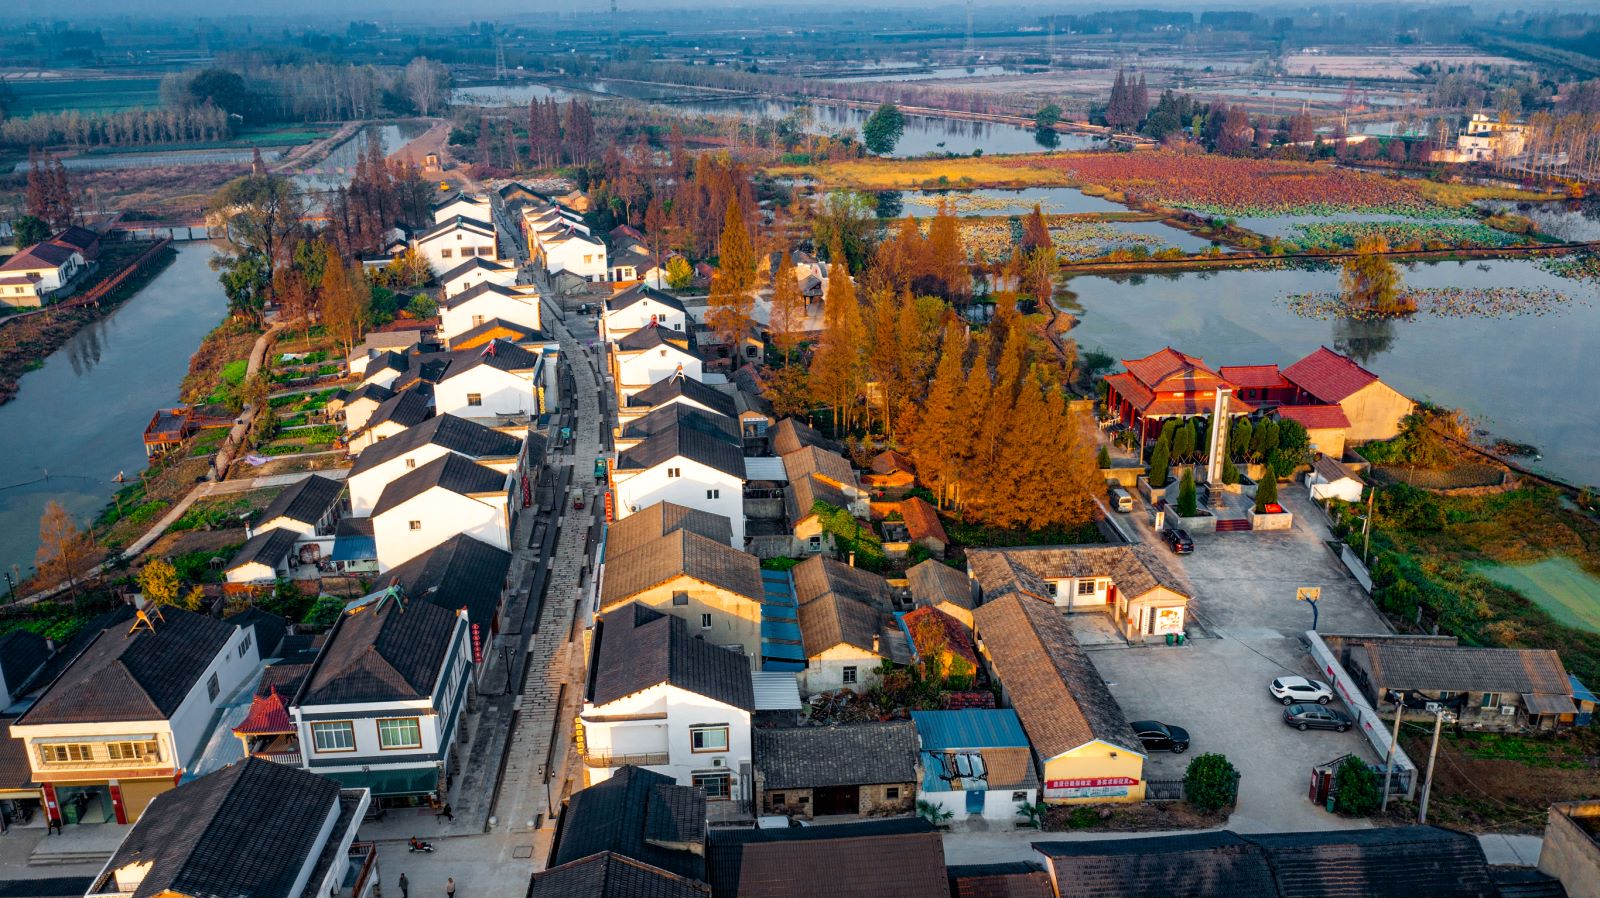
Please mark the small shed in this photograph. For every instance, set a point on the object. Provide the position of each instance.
(854, 769)
(1331, 479)
(976, 762)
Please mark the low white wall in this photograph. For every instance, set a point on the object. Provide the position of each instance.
(1375, 728)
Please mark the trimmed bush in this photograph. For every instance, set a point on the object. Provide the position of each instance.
(1266, 492)
(1187, 506)
(1160, 465)
(1211, 782)
(1103, 459)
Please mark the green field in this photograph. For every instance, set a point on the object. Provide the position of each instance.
(23, 98)
(1569, 593)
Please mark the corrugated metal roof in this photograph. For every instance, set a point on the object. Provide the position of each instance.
(1579, 691)
(765, 469)
(355, 548)
(971, 728)
(776, 690)
(781, 648)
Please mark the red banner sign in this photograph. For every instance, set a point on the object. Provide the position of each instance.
(610, 510)
(477, 644)
(1092, 783)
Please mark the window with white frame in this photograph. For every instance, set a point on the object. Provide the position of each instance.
(333, 735)
(713, 494)
(399, 732)
(705, 621)
(709, 738)
(1086, 587)
(474, 399)
(849, 676)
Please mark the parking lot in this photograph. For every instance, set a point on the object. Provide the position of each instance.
(1245, 630)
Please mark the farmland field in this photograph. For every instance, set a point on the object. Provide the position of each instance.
(24, 98)
(1558, 585)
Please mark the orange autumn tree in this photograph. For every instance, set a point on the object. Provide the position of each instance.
(788, 319)
(730, 304)
(838, 367)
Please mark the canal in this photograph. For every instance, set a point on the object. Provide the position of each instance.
(78, 420)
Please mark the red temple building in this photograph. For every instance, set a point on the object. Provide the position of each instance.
(1166, 384)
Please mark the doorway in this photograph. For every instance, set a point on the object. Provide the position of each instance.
(975, 801)
(837, 800)
(86, 804)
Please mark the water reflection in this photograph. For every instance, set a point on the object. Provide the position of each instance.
(1363, 340)
(1049, 138)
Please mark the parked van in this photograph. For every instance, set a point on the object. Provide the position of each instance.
(1121, 499)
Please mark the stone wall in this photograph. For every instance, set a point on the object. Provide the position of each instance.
(875, 800)
(1570, 852)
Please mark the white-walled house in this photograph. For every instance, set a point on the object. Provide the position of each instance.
(641, 306)
(648, 355)
(660, 699)
(1331, 479)
(461, 312)
(392, 459)
(356, 406)
(502, 378)
(438, 500)
(392, 417)
(264, 559)
(574, 251)
(464, 205)
(997, 755)
(453, 240)
(383, 702)
(32, 275)
(688, 466)
(120, 724)
(251, 828)
(679, 388)
(310, 508)
(473, 272)
(846, 629)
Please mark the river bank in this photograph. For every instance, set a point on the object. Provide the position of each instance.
(75, 422)
(26, 342)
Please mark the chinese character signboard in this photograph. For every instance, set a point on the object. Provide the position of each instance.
(1090, 787)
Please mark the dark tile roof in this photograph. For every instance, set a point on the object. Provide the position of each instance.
(634, 294)
(376, 392)
(646, 338)
(306, 500)
(840, 604)
(269, 628)
(1054, 687)
(686, 440)
(22, 654)
(476, 263)
(933, 583)
(1198, 865)
(390, 360)
(1135, 570)
(80, 239)
(681, 553)
(133, 676)
(15, 771)
(638, 648)
(897, 858)
(678, 415)
(1526, 882)
(66, 654)
(450, 224)
(247, 829)
(1466, 668)
(859, 754)
(791, 435)
(459, 435)
(610, 875)
(1392, 862)
(808, 460)
(652, 522)
(500, 354)
(269, 547)
(1019, 879)
(408, 408)
(681, 385)
(614, 816)
(801, 496)
(818, 575)
(47, 887)
(449, 471)
(477, 290)
(460, 572)
(40, 255)
(387, 650)
(520, 332)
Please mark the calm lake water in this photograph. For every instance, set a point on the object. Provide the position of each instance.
(1519, 376)
(923, 135)
(80, 417)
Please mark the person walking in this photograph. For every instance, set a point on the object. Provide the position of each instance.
(450, 888)
(449, 814)
(405, 887)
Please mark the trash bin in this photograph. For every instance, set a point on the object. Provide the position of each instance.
(1180, 639)
(1169, 639)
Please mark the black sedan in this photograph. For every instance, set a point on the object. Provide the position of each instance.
(1316, 717)
(1158, 736)
(1178, 540)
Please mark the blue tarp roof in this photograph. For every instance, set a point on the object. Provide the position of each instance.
(780, 624)
(1581, 692)
(355, 548)
(970, 728)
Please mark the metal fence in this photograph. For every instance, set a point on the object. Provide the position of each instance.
(1163, 790)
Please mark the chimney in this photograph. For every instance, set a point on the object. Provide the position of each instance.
(852, 557)
(875, 650)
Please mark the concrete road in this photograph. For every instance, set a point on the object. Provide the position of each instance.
(1247, 628)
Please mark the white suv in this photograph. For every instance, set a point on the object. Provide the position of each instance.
(1292, 690)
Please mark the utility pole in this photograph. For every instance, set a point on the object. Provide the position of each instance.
(1366, 526)
(1427, 782)
(1050, 46)
(614, 26)
(971, 58)
(1394, 746)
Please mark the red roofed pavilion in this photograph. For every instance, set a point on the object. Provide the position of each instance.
(1166, 384)
(268, 732)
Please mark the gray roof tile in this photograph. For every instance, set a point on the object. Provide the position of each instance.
(639, 648)
(857, 754)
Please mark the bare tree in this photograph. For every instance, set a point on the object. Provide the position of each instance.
(65, 552)
(426, 83)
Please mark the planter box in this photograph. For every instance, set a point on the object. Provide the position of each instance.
(1280, 521)
(1203, 522)
(1150, 494)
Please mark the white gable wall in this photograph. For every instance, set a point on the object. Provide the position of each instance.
(465, 281)
(670, 736)
(498, 392)
(487, 307)
(623, 321)
(440, 514)
(642, 489)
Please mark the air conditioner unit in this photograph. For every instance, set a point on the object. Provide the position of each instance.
(1508, 709)
(716, 762)
(1431, 707)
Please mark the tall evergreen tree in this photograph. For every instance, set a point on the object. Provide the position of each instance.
(944, 419)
